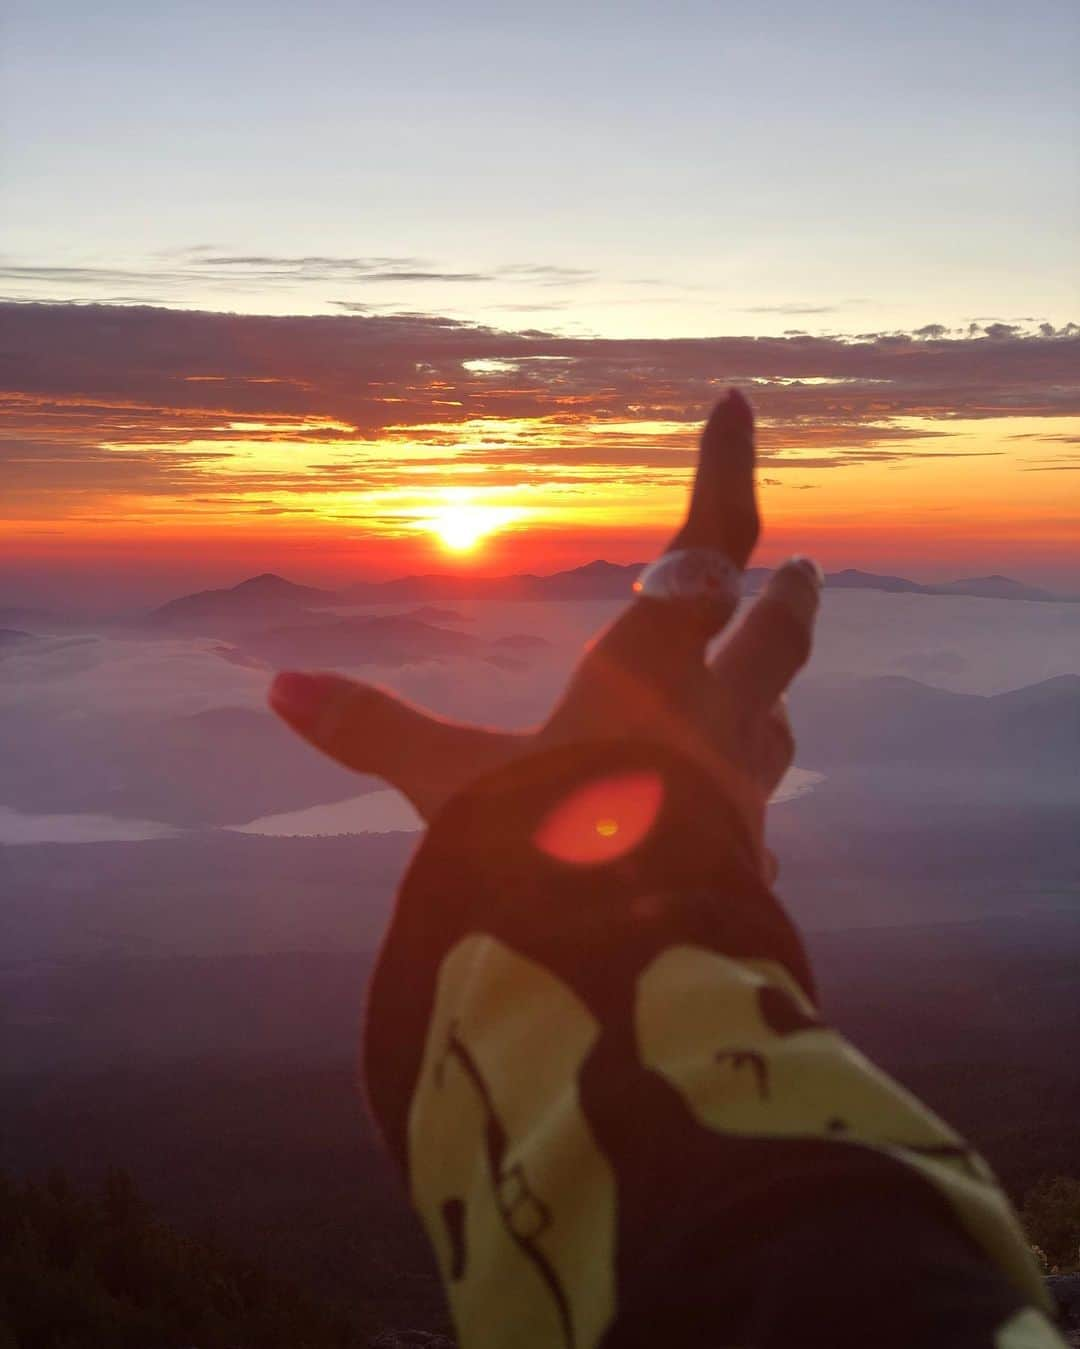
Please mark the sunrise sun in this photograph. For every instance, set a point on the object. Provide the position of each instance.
(461, 528)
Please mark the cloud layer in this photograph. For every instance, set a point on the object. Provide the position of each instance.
(223, 413)
(137, 366)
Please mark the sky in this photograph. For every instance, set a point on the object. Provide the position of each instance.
(352, 290)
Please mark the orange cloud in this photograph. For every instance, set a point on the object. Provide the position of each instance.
(168, 426)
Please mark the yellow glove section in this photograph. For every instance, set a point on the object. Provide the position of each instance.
(747, 1051)
(1028, 1329)
(517, 1199)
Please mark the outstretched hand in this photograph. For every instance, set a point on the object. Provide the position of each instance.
(646, 676)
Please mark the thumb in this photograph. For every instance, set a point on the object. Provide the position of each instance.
(371, 730)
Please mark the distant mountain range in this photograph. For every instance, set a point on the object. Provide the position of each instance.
(594, 581)
(899, 726)
(269, 596)
(984, 587)
(611, 580)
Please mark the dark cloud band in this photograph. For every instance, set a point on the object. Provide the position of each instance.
(77, 378)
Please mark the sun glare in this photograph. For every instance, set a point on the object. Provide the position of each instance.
(461, 528)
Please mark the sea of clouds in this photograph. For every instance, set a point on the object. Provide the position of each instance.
(83, 688)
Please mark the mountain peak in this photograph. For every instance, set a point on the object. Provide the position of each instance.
(851, 578)
(996, 587)
(259, 596)
(1063, 687)
(600, 567)
(267, 580)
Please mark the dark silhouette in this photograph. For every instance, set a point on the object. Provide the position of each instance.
(586, 935)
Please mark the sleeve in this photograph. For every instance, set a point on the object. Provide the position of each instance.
(594, 1048)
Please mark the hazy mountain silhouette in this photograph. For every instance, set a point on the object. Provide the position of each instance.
(259, 597)
(269, 596)
(853, 579)
(595, 580)
(985, 587)
(602, 580)
(996, 588)
(1028, 735)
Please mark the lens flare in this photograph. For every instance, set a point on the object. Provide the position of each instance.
(603, 820)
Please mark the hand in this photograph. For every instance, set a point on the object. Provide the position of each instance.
(645, 677)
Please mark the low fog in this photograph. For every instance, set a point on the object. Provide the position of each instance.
(129, 731)
(181, 874)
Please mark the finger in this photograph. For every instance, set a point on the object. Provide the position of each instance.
(372, 731)
(765, 652)
(660, 639)
(770, 866)
(723, 503)
(778, 753)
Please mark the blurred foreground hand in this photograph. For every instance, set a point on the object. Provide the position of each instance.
(645, 677)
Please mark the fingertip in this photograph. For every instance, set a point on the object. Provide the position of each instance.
(723, 510)
(811, 567)
(300, 698)
(797, 587)
(733, 415)
(739, 408)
